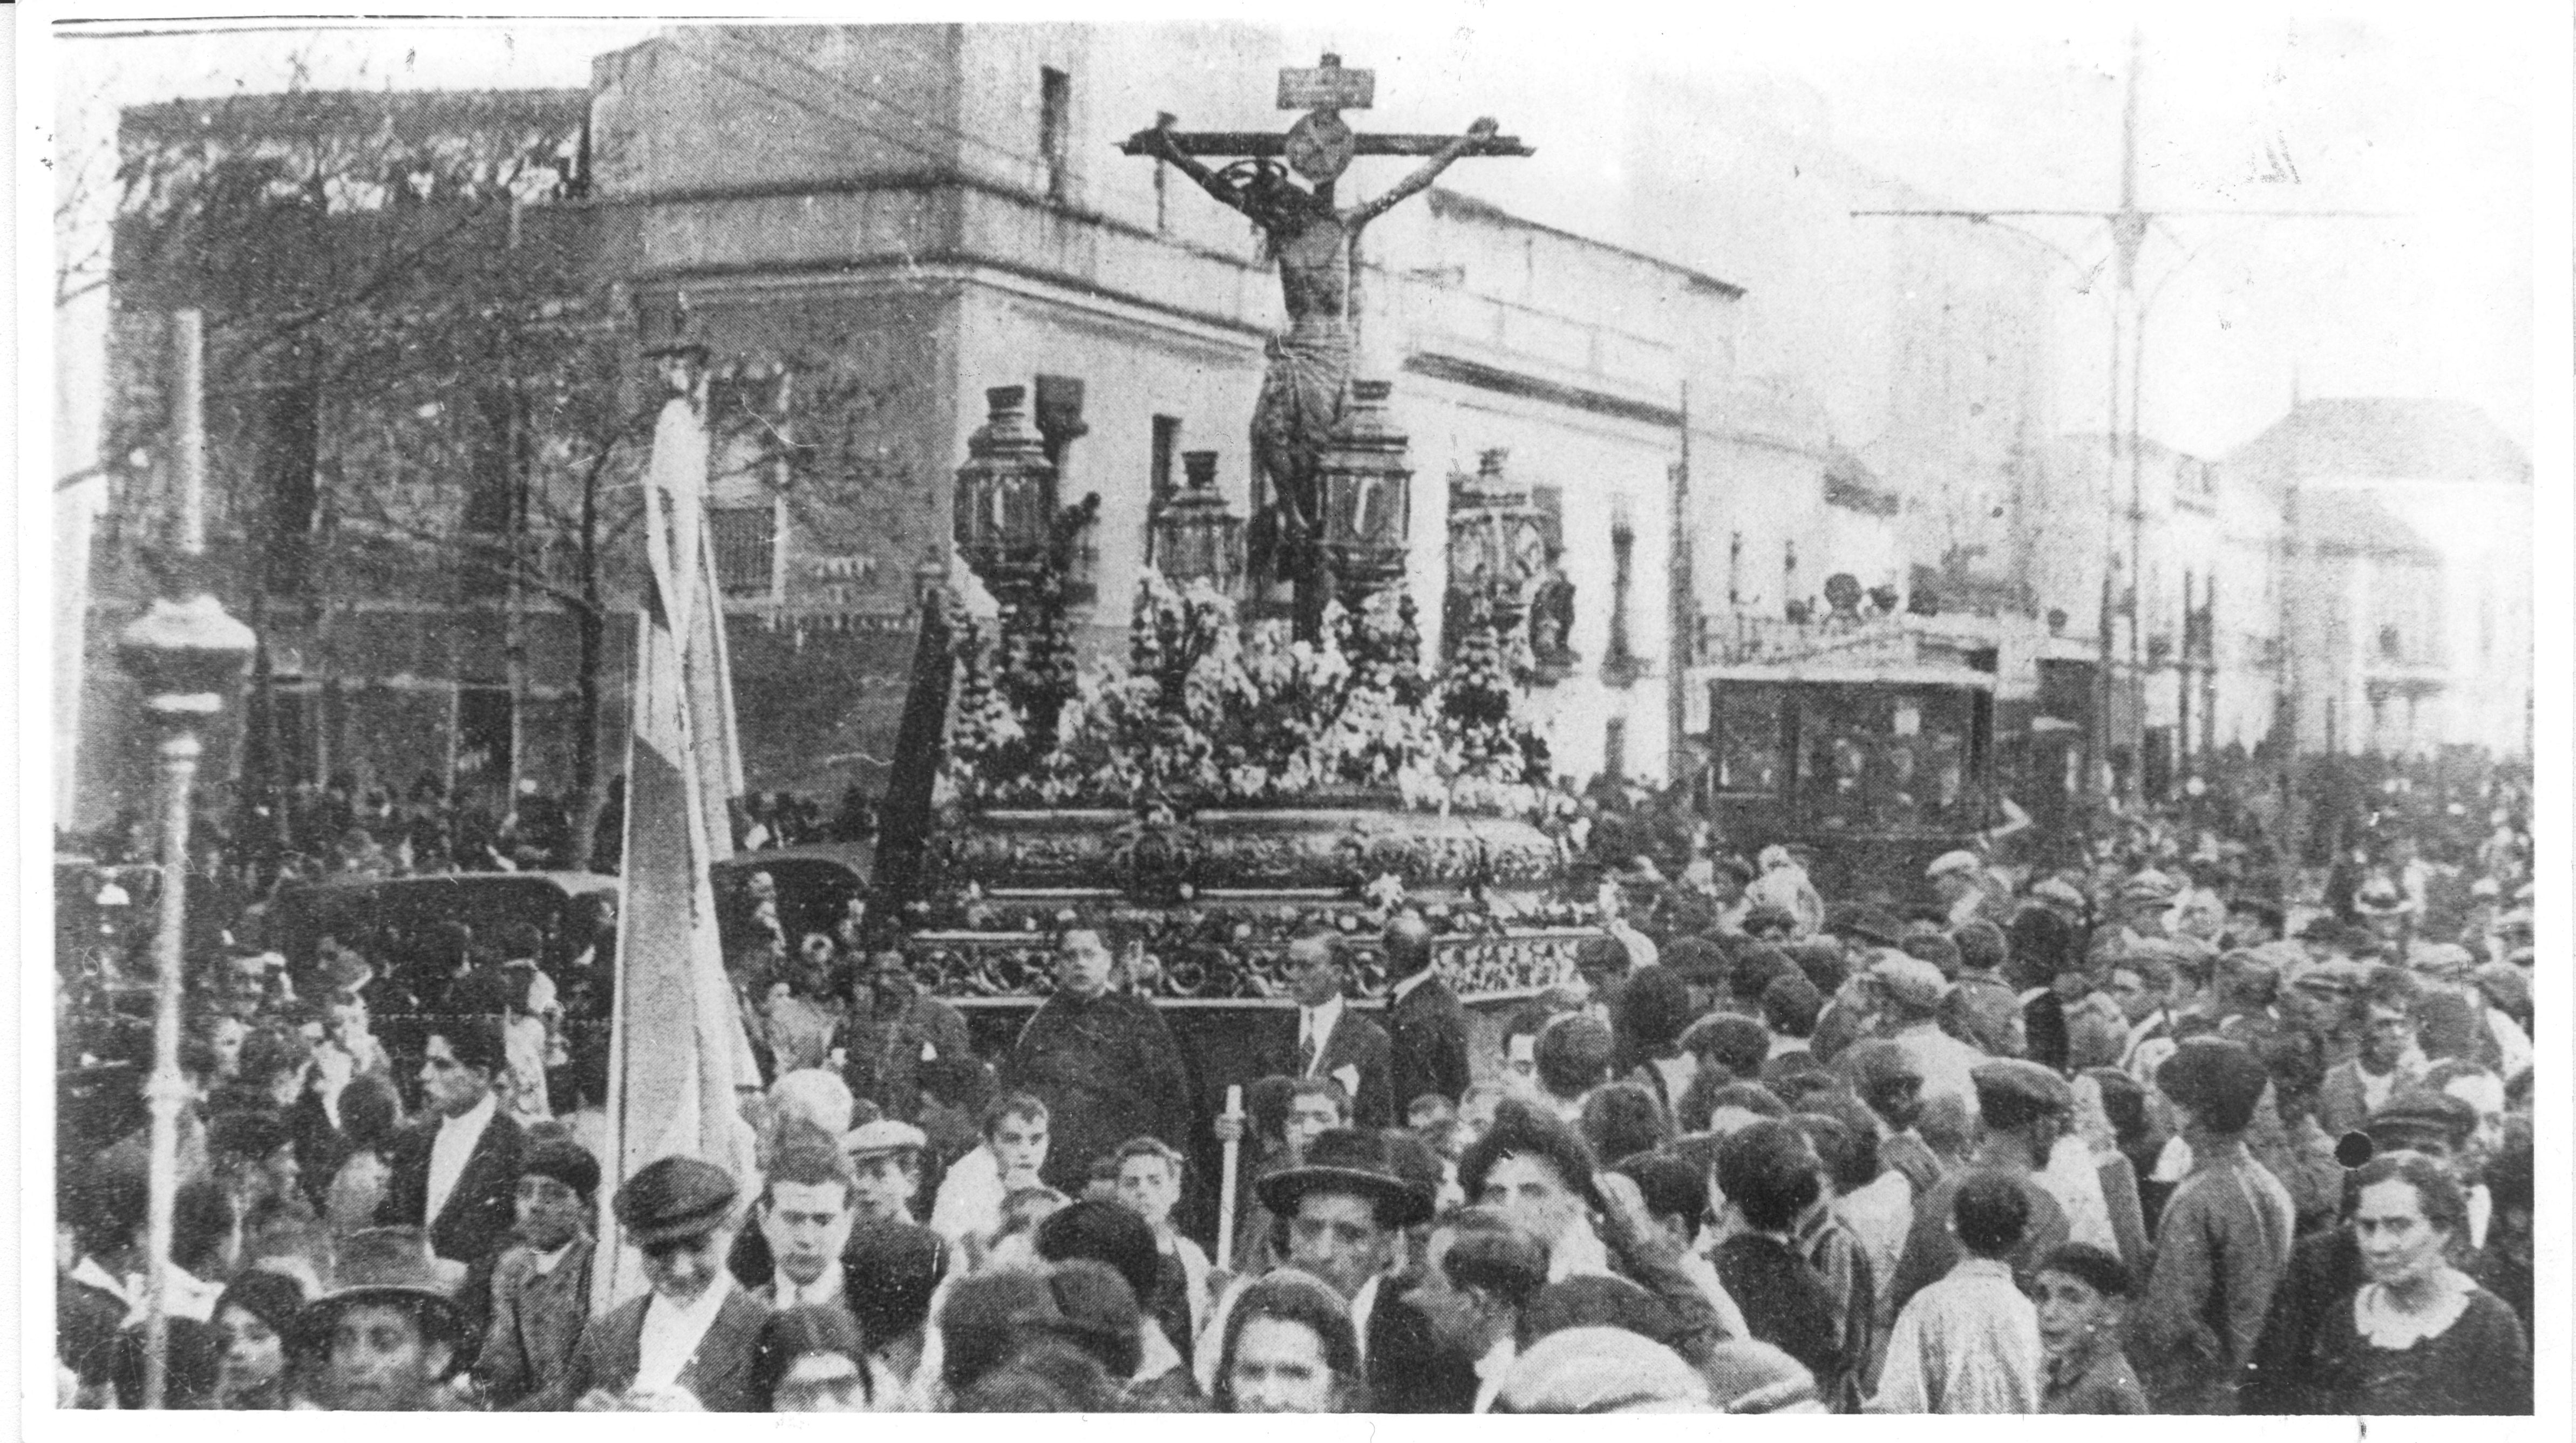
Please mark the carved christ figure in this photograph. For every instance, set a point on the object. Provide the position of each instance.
(1310, 363)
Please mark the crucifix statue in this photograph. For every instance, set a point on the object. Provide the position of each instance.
(1314, 242)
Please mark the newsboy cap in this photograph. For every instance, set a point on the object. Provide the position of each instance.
(2012, 1091)
(564, 1160)
(883, 1136)
(675, 1198)
(1911, 982)
(2149, 886)
(2420, 1117)
(1953, 863)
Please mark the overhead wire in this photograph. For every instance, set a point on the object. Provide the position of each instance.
(839, 83)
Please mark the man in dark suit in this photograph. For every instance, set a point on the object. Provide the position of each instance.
(1333, 1041)
(1426, 1024)
(696, 1331)
(456, 1175)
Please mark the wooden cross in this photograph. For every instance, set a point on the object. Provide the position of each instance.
(1321, 144)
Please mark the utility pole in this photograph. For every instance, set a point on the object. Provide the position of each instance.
(1683, 608)
(2129, 224)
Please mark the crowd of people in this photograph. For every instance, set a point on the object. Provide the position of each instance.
(2151, 1133)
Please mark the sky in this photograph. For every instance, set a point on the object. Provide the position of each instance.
(2376, 108)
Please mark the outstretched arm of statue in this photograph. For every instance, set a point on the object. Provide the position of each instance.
(1159, 143)
(1477, 134)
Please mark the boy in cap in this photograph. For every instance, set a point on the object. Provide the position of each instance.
(885, 1168)
(541, 1284)
(2222, 1242)
(695, 1331)
(389, 1333)
(2083, 1293)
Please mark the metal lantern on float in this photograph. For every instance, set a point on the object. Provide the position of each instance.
(1366, 475)
(1198, 537)
(1004, 498)
(1496, 544)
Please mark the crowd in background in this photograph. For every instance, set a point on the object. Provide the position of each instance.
(2181, 1121)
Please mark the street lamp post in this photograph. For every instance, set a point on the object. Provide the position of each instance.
(186, 652)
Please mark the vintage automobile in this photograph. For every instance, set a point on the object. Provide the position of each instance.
(815, 885)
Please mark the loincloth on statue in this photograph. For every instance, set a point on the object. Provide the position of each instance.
(1300, 403)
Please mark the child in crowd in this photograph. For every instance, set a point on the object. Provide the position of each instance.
(2083, 1301)
(1970, 1342)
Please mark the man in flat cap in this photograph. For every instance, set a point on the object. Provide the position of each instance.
(695, 1332)
(388, 1333)
(885, 1169)
(2026, 1108)
(2222, 1243)
(541, 1285)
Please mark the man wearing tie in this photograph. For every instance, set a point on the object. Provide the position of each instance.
(1332, 1041)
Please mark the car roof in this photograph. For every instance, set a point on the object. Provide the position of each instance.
(578, 884)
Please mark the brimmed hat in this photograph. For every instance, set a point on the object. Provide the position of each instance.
(385, 1264)
(885, 1135)
(1954, 864)
(674, 1198)
(2379, 897)
(1350, 1161)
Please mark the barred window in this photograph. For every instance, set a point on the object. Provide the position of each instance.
(746, 545)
